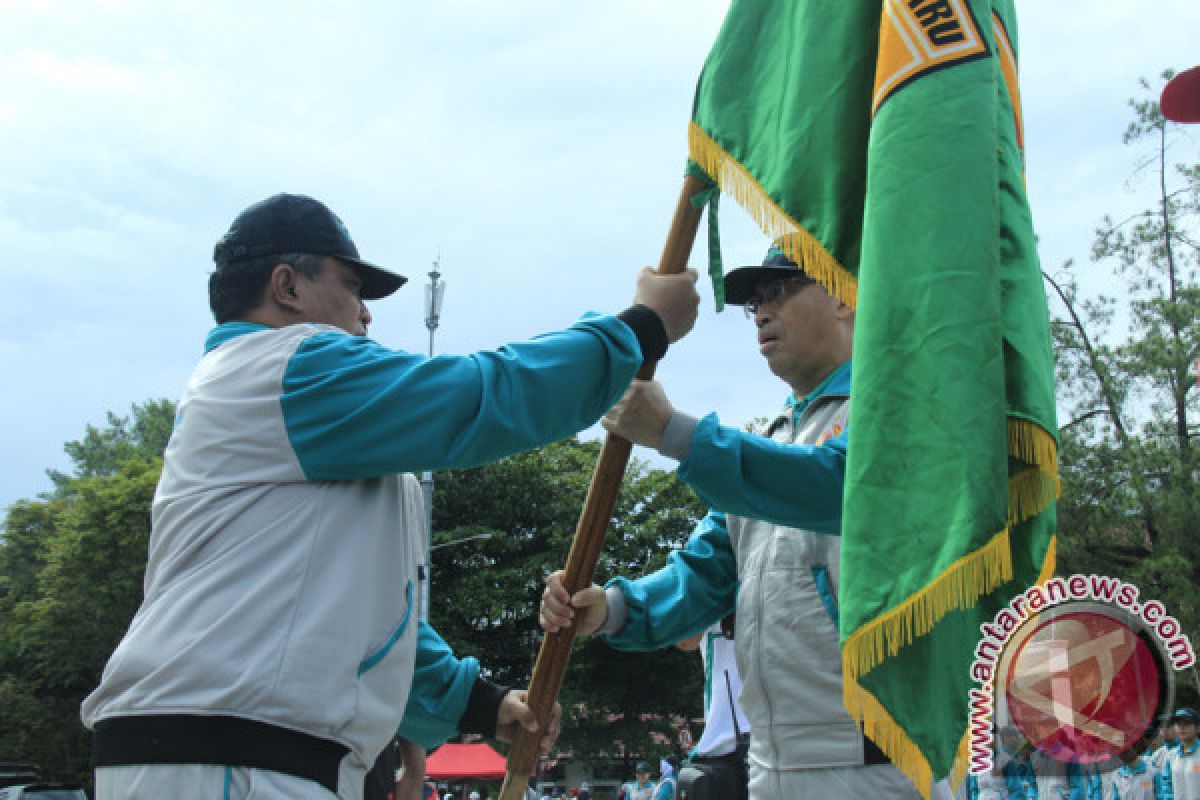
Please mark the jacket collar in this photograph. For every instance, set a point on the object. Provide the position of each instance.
(836, 384)
(229, 330)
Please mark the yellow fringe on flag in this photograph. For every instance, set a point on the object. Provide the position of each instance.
(962, 759)
(1032, 490)
(1050, 562)
(878, 723)
(1032, 444)
(881, 729)
(959, 586)
(800, 245)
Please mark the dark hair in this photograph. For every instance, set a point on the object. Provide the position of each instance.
(236, 288)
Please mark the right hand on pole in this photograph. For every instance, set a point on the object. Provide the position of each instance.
(589, 606)
(672, 297)
(641, 415)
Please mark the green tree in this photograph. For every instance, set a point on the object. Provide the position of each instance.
(1130, 494)
(485, 593)
(71, 567)
(102, 451)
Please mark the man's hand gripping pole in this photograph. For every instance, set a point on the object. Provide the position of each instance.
(585, 550)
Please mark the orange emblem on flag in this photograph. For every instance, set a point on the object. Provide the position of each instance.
(917, 37)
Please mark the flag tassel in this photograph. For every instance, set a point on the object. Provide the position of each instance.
(959, 586)
(962, 584)
(879, 726)
(800, 245)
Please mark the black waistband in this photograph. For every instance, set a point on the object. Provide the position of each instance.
(223, 741)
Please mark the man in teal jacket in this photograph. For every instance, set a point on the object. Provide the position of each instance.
(273, 653)
(769, 548)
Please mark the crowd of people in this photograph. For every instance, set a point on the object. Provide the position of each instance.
(1165, 767)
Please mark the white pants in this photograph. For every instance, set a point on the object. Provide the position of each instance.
(883, 782)
(204, 782)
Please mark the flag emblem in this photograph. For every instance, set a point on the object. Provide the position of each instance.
(917, 37)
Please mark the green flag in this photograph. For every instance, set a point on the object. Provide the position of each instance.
(880, 141)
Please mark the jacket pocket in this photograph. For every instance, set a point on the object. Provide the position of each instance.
(381, 653)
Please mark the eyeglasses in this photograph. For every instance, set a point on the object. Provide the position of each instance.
(773, 292)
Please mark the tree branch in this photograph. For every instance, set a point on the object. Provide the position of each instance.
(1095, 412)
(1110, 400)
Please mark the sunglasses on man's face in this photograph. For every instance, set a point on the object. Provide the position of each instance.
(774, 291)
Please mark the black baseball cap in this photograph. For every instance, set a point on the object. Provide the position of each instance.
(294, 223)
(740, 283)
(642, 766)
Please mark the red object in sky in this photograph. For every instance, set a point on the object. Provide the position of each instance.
(1181, 97)
(465, 762)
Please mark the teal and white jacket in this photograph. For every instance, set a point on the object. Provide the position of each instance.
(280, 587)
(769, 549)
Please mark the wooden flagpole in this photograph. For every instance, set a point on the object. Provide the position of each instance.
(585, 550)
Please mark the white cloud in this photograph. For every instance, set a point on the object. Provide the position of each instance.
(538, 145)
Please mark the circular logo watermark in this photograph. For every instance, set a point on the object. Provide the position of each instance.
(1084, 682)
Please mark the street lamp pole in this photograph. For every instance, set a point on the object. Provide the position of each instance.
(433, 312)
(471, 538)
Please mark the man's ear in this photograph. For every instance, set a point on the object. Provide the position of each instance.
(842, 311)
(281, 288)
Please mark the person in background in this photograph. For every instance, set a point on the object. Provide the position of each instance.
(1135, 779)
(1058, 776)
(1169, 744)
(641, 787)
(1181, 770)
(1012, 765)
(410, 777)
(665, 790)
(719, 759)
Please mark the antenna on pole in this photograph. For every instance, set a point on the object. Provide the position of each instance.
(435, 290)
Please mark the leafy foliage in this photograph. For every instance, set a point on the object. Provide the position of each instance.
(486, 592)
(71, 570)
(103, 451)
(1128, 456)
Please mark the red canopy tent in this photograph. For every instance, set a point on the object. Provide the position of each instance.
(465, 762)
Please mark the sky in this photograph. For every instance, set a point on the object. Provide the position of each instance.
(535, 146)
